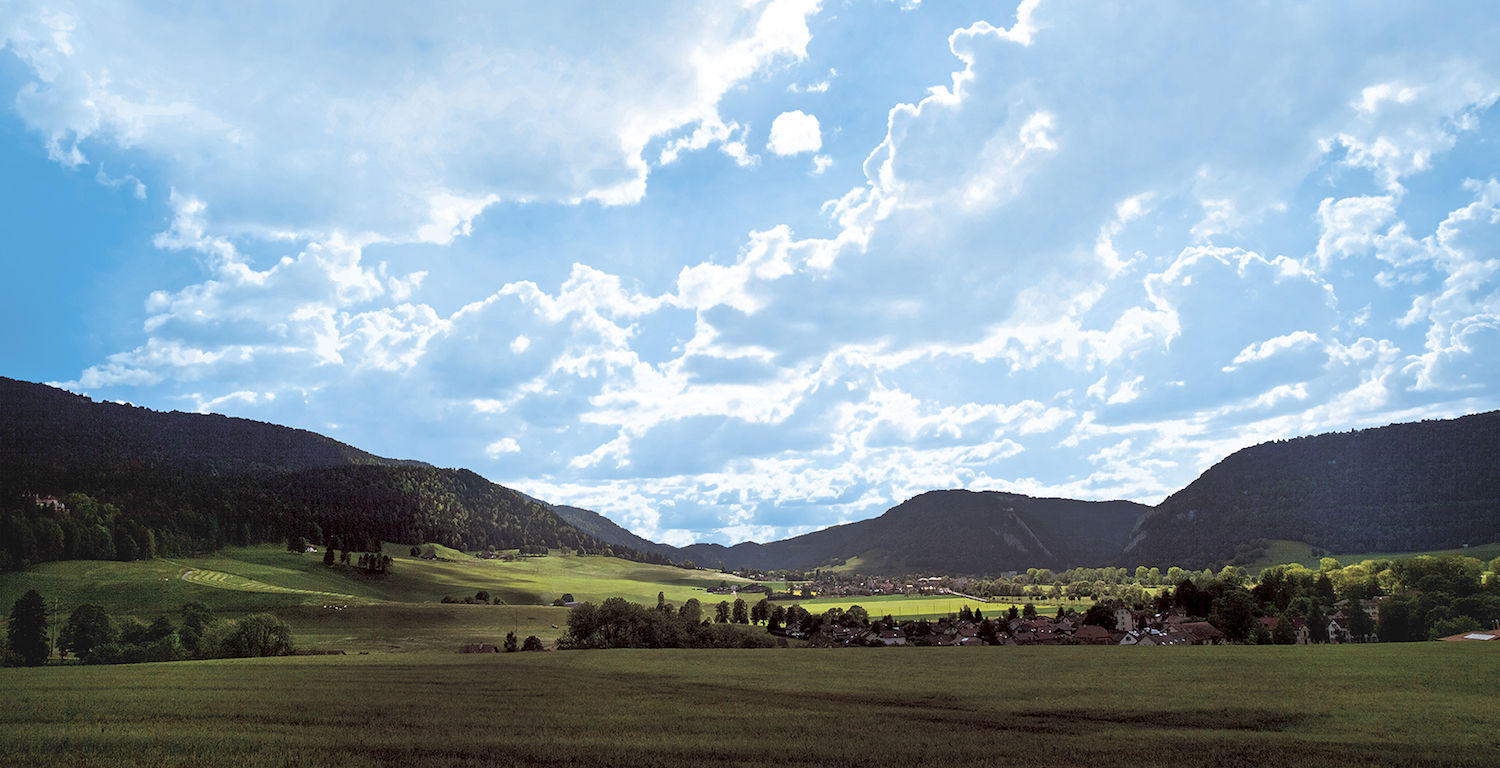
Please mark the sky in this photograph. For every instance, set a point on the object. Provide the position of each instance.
(738, 271)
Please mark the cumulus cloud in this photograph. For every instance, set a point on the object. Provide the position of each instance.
(362, 131)
(1105, 251)
(793, 133)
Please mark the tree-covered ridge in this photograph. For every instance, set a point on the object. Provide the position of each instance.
(86, 480)
(952, 531)
(1418, 486)
(54, 435)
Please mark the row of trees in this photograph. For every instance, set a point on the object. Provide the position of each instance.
(618, 623)
(92, 636)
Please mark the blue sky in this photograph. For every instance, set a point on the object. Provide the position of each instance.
(739, 271)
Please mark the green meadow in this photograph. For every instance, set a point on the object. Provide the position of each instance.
(1409, 704)
(1284, 552)
(930, 606)
(341, 608)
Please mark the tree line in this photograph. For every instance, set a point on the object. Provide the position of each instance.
(91, 636)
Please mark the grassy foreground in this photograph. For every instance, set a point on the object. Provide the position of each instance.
(1427, 704)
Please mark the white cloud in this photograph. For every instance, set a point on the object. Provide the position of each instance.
(793, 133)
(413, 141)
(501, 447)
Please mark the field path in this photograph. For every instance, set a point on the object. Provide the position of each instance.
(222, 580)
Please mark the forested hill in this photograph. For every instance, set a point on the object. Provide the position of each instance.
(43, 429)
(137, 482)
(955, 531)
(606, 530)
(1418, 486)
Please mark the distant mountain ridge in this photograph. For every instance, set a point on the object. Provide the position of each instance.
(191, 482)
(1404, 487)
(181, 482)
(950, 531)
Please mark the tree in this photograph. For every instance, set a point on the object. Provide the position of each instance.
(1233, 613)
(510, 642)
(1360, 625)
(857, 616)
(88, 629)
(1284, 633)
(721, 612)
(776, 619)
(661, 601)
(741, 612)
(328, 555)
(1101, 615)
(691, 611)
(259, 634)
(761, 611)
(296, 544)
(196, 618)
(1317, 625)
(532, 643)
(1029, 611)
(27, 633)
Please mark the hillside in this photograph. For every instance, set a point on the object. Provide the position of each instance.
(607, 531)
(953, 531)
(1419, 486)
(139, 483)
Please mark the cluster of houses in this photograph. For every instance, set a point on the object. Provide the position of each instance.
(1132, 627)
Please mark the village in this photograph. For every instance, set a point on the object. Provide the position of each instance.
(1130, 627)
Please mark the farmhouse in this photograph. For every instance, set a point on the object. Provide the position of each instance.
(1203, 633)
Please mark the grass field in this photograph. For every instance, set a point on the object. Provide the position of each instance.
(1282, 552)
(1414, 704)
(928, 606)
(341, 608)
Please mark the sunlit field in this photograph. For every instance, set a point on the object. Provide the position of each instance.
(1415, 704)
(339, 608)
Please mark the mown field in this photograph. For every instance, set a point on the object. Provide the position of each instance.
(930, 606)
(341, 608)
(1283, 552)
(1414, 704)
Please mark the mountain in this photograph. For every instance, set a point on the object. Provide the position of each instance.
(139, 482)
(953, 531)
(1404, 487)
(604, 529)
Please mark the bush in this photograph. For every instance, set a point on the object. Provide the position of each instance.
(260, 634)
(532, 643)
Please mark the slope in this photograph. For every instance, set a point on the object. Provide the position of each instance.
(138, 483)
(953, 531)
(1417, 486)
(606, 530)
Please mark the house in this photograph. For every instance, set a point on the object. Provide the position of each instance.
(1304, 635)
(1174, 637)
(1204, 633)
(1483, 634)
(1125, 619)
(892, 637)
(49, 502)
(1092, 634)
(1337, 633)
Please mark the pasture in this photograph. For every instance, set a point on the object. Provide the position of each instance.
(903, 607)
(1283, 552)
(341, 608)
(1428, 704)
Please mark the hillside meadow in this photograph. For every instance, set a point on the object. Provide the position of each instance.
(1428, 704)
(341, 608)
